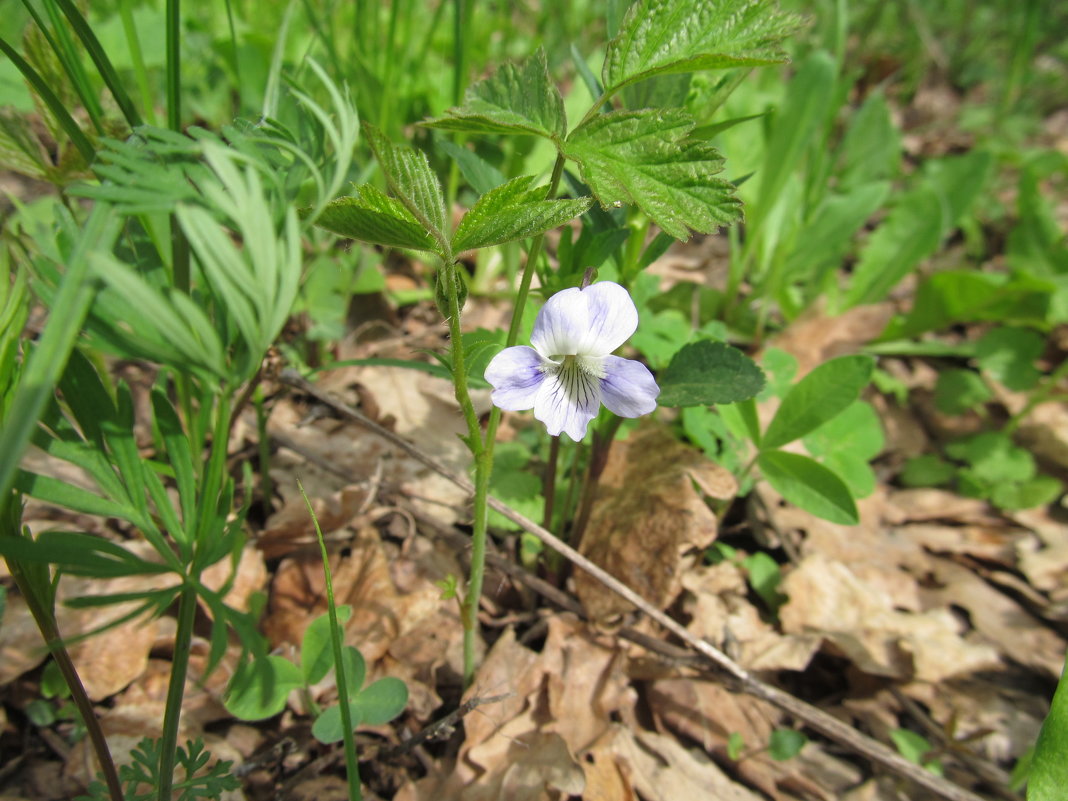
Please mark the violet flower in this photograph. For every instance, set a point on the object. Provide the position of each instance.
(570, 371)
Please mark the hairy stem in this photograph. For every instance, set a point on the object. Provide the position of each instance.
(483, 468)
(482, 446)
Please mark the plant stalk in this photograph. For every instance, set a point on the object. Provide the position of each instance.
(44, 616)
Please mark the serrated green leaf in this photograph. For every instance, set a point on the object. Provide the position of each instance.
(513, 211)
(819, 396)
(1049, 765)
(808, 484)
(516, 99)
(412, 181)
(370, 216)
(706, 372)
(660, 37)
(645, 158)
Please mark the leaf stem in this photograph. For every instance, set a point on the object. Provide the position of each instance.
(352, 765)
(183, 638)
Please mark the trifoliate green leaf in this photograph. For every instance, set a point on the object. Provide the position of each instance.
(516, 99)
(661, 37)
(412, 181)
(370, 216)
(644, 158)
(513, 211)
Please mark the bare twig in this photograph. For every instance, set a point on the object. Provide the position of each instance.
(821, 721)
(439, 729)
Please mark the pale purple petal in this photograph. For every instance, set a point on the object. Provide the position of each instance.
(515, 375)
(562, 324)
(567, 401)
(612, 318)
(628, 388)
(592, 321)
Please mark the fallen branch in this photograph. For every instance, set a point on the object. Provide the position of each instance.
(817, 719)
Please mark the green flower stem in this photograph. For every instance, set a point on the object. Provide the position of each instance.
(352, 765)
(483, 467)
(602, 444)
(482, 445)
(549, 482)
(521, 296)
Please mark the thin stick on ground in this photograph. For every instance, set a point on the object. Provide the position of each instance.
(828, 725)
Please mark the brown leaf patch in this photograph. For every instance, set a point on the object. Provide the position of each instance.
(649, 514)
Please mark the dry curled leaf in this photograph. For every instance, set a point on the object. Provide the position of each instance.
(648, 514)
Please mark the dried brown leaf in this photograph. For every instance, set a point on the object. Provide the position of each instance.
(648, 515)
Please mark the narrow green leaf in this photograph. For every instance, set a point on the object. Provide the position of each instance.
(803, 113)
(871, 147)
(101, 60)
(478, 172)
(516, 99)
(55, 105)
(69, 307)
(808, 484)
(60, 493)
(827, 235)
(818, 397)
(179, 456)
(645, 158)
(707, 372)
(910, 234)
(660, 37)
(413, 183)
(513, 211)
(86, 396)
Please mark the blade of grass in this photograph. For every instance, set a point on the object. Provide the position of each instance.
(62, 45)
(55, 105)
(48, 359)
(133, 42)
(174, 64)
(101, 60)
(351, 764)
